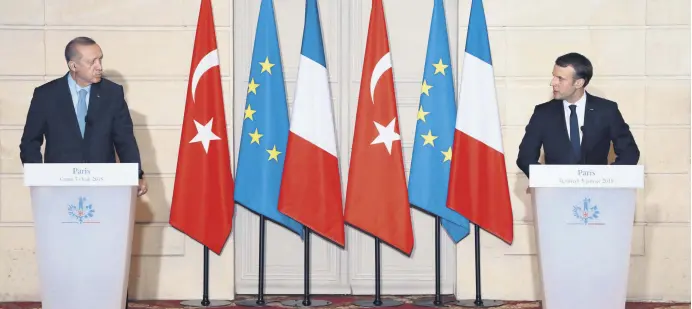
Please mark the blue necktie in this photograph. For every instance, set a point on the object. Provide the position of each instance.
(574, 131)
(81, 110)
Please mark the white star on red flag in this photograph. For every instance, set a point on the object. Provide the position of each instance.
(204, 134)
(386, 135)
(203, 204)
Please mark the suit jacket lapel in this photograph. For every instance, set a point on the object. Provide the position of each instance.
(562, 124)
(66, 107)
(589, 124)
(94, 105)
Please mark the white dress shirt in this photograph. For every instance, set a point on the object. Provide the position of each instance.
(581, 106)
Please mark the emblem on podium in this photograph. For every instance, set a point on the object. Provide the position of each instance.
(82, 212)
(586, 213)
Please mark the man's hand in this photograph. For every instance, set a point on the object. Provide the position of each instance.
(142, 187)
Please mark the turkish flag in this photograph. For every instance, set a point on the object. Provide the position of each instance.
(203, 201)
(376, 197)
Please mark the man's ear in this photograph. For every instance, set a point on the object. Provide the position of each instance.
(72, 66)
(579, 83)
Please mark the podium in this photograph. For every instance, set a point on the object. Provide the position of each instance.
(584, 215)
(83, 220)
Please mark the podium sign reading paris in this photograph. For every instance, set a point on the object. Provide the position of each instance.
(83, 220)
(584, 220)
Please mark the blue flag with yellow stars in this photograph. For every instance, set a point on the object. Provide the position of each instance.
(432, 147)
(265, 127)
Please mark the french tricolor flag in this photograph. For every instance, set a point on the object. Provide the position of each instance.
(311, 185)
(478, 187)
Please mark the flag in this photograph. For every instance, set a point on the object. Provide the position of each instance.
(265, 127)
(202, 205)
(478, 187)
(432, 146)
(376, 197)
(311, 187)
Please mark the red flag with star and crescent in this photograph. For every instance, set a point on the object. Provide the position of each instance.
(203, 205)
(376, 197)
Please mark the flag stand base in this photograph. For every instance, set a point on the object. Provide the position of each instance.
(378, 301)
(199, 303)
(259, 302)
(437, 299)
(205, 301)
(251, 303)
(479, 302)
(433, 303)
(301, 303)
(381, 303)
(306, 301)
(484, 303)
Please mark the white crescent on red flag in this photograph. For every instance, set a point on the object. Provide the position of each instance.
(377, 198)
(203, 204)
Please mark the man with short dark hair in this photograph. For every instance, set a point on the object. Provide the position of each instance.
(576, 127)
(83, 117)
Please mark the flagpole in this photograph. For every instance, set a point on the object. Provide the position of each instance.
(205, 302)
(478, 302)
(306, 302)
(259, 302)
(437, 301)
(378, 301)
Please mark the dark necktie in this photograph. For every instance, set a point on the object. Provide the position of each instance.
(574, 130)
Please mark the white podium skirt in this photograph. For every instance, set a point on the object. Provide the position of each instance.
(584, 241)
(83, 244)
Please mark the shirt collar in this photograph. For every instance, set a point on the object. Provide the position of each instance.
(580, 103)
(76, 87)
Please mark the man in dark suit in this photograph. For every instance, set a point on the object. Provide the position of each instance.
(83, 117)
(576, 127)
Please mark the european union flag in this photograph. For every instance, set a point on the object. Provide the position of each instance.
(432, 148)
(265, 127)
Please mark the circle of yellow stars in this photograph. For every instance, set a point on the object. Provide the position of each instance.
(250, 113)
(429, 138)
